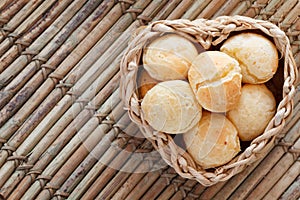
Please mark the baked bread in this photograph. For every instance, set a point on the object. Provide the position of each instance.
(254, 110)
(215, 79)
(213, 141)
(144, 83)
(169, 57)
(256, 54)
(171, 107)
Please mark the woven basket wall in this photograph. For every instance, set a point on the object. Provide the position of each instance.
(64, 133)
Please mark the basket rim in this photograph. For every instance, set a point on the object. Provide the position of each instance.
(207, 32)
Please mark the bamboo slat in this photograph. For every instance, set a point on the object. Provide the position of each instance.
(120, 159)
(30, 144)
(15, 20)
(42, 57)
(242, 7)
(285, 181)
(57, 145)
(293, 192)
(22, 29)
(56, 131)
(73, 153)
(195, 9)
(28, 54)
(40, 71)
(150, 163)
(5, 3)
(180, 9)
(166, 10)
(95, 154)
(89, 77)
(33, 139)
(278, 170)
(8, 9)
(211, 8)
(144, 185)
(110, 179)
(210, 192)
(164, 181)
(105, 152)
(134, 161)
(34, 83)
(100, 65)
(291, 17)
(226, 8)
(282, 12)
(94, 73)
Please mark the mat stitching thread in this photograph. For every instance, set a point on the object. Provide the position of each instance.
(184, 189)
(258, 7)
(123, 6)
(134, 12)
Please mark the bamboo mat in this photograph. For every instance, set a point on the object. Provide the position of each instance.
(63, 131)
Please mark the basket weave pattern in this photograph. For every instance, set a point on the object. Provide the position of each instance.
(207, 33)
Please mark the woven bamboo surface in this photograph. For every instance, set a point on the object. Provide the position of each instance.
(63, 131)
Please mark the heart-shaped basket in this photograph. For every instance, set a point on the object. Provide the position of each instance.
(209, 33)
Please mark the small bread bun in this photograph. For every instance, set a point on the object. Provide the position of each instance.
(256, 54)
(213, 141)
(169, 57)
(254, 110)
(145, 82)
(216, 81)
(171, 107)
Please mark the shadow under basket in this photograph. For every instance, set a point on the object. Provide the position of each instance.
(210, 34)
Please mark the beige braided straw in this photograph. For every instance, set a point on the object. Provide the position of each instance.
(207, 33)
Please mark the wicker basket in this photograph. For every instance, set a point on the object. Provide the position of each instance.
(209, 33)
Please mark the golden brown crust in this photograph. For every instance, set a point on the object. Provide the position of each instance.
(253, 112)
(256, 54)
(213, 141)
(169, 57)
(216, 81)
(171, 107)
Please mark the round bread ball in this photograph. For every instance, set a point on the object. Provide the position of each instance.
(213, 141)
(256, 54)
(254, 110)
(145, 82)
(215, 79)
(171, 107)
(169, 57)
